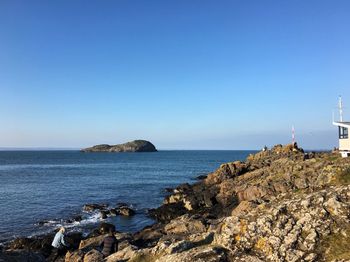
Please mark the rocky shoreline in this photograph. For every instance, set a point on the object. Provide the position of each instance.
(278, 205)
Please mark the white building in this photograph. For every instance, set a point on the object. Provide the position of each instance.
(343, 127)
(344, 140)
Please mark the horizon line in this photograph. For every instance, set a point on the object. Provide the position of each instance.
(160, 149)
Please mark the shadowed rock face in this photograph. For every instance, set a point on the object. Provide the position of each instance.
(133, 146)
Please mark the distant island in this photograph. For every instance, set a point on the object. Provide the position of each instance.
(133, 146)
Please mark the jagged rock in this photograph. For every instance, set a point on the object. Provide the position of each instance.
(287, 229)
(226, 171)
(149, 236)
(93, 207)
(21, 243)
(125, 211)
(40, 244)
(185, 225)
(113, 212)
(243, 208)
(74, 256)
(78, 218)
(21, 256)
(167, 212)
(123, 255)
(93, 256)
(201, 177)
(201, 254)
(103, 214)
(252, 193)
(227, 195)
(180, 246)
(122, 209)
(133, 146)
(91, 242)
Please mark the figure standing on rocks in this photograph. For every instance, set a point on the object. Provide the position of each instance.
(109, 244)
(59, 243)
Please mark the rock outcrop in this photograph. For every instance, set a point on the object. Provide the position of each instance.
(106, 211)
(133, 146)
(279, 205)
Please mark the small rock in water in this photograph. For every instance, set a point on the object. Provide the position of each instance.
(78, 218)
(93, 207)
(103, 214)
(42, 223)
(125, 211)
(169, 190)
(114, 212)
(122, 204)
(201, 177)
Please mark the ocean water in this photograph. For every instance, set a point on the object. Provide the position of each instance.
(52, 186)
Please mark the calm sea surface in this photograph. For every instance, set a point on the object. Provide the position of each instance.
(53, 186)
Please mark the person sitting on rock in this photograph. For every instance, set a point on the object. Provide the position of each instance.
(59, 243)
(109, 244)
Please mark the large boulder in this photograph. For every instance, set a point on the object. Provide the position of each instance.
(40, 244)
(148, 236)
(291, 229)
(201, 254)
(125, 211)
(21, 256)
(185, 225)
(74, 256)
(122, 255)
(252, 193)
(21, 243)
(93, 207)
(93, 256)
(168, 212)
(91, 242)
(226, 171)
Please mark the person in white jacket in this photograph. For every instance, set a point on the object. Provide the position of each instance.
(59, 243)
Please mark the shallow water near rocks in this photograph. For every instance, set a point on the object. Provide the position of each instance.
(52, 186)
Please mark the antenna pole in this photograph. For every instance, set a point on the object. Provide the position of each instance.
(340, 109)
(293, 135)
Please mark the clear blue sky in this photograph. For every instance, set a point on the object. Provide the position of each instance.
(183, 74)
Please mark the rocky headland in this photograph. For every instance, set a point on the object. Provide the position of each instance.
(279, 205)
(133, 146)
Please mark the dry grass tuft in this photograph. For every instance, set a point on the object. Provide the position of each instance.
(336, 246)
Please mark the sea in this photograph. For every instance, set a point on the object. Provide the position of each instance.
(43, 190)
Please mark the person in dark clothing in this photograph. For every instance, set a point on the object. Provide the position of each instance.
(109, 244)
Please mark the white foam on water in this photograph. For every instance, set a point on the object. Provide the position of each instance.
(77, 226)
(91, 219)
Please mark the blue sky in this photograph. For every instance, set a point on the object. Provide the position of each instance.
(183, 74)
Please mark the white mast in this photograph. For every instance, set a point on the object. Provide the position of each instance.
(340, 109)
